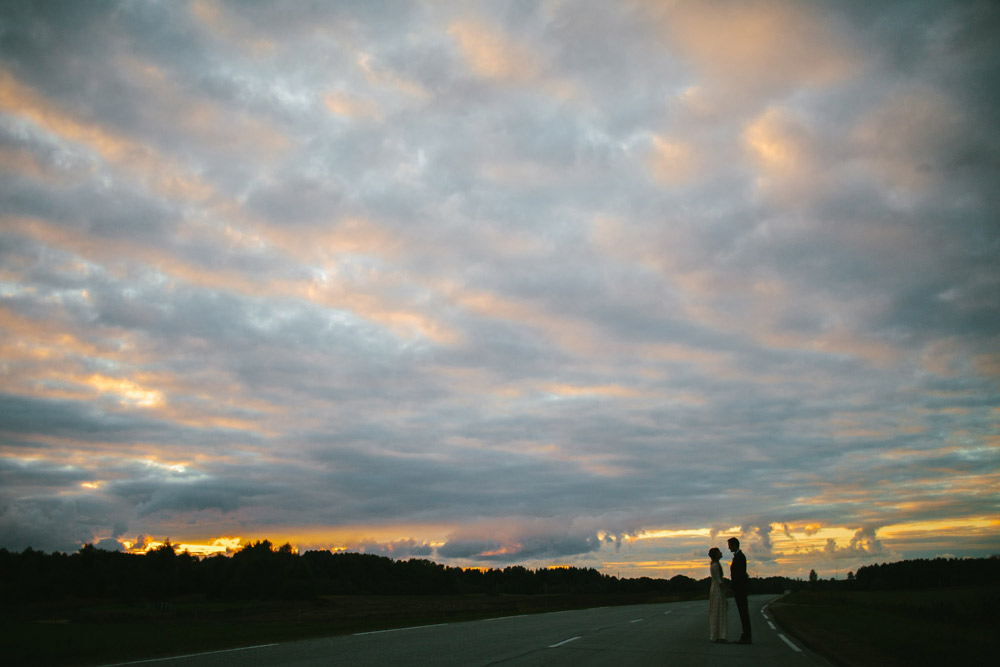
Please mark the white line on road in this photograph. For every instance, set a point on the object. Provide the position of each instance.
(638, 620)
(191, 655)
(667, 612)
(565, 641)
(412, 627)
(794, 647)
(772, 625)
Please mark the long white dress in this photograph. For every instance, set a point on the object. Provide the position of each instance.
(716, 604)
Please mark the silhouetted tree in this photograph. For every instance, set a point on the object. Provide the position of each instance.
(160, 575)
(258, 570)
(921, 573)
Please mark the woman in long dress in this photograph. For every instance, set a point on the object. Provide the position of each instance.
(716, 599)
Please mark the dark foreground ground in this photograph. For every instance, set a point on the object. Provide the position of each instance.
(89, 633)
(854, 629)
(945, 626)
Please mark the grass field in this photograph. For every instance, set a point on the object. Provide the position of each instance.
(91, 633)
(947, 626)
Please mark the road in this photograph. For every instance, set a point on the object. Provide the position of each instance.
(673, 634)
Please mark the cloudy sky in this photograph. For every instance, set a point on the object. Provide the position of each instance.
(541, 282)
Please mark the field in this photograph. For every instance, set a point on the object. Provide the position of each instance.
(946, 626)
(89, 633)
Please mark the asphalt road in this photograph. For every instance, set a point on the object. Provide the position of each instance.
(674, 634)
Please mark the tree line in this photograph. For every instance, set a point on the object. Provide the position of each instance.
(922, 573)
(261, 571)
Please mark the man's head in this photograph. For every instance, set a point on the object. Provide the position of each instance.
(734, 544)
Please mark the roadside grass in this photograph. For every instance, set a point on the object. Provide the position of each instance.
(95, 633)
(943, 626)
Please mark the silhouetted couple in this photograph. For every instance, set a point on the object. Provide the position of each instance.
(740, 586)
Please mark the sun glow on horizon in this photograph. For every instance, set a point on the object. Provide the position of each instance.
(220, 545)
(777, 550)
(667, 534)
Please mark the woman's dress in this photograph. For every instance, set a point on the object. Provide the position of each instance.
(716, 604)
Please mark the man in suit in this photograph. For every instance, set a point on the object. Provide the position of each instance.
(741, 587)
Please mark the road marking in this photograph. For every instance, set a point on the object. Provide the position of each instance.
(638, 620)
(794, 647)
(565, 641)
(772, 625)
(191, 655)
(412, 627)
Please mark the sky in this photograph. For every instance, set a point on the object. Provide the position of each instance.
(545, 283)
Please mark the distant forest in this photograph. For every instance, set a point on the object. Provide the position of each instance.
(261, 571)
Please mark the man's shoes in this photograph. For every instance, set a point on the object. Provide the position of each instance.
(744, 641)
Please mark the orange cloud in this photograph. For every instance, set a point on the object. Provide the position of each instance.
(569, 332)
(351, 106)
(609, 390)
(770, 140)
(673, 161)
(128, 392)
(162, 174)
(491, 54)
(367, 293)
(385, 77)
(233, 27)
(781, 147)
(760, 44)
(369, 301)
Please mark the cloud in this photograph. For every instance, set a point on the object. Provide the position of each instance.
(344, 104)
(490, 54)
(864, 543)
(399, 549)
(110, 544)
(786, 157)
(52, 523)
(506, 282)
(518, 542)
(757, 538)
(912, 134)
(761, 46)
